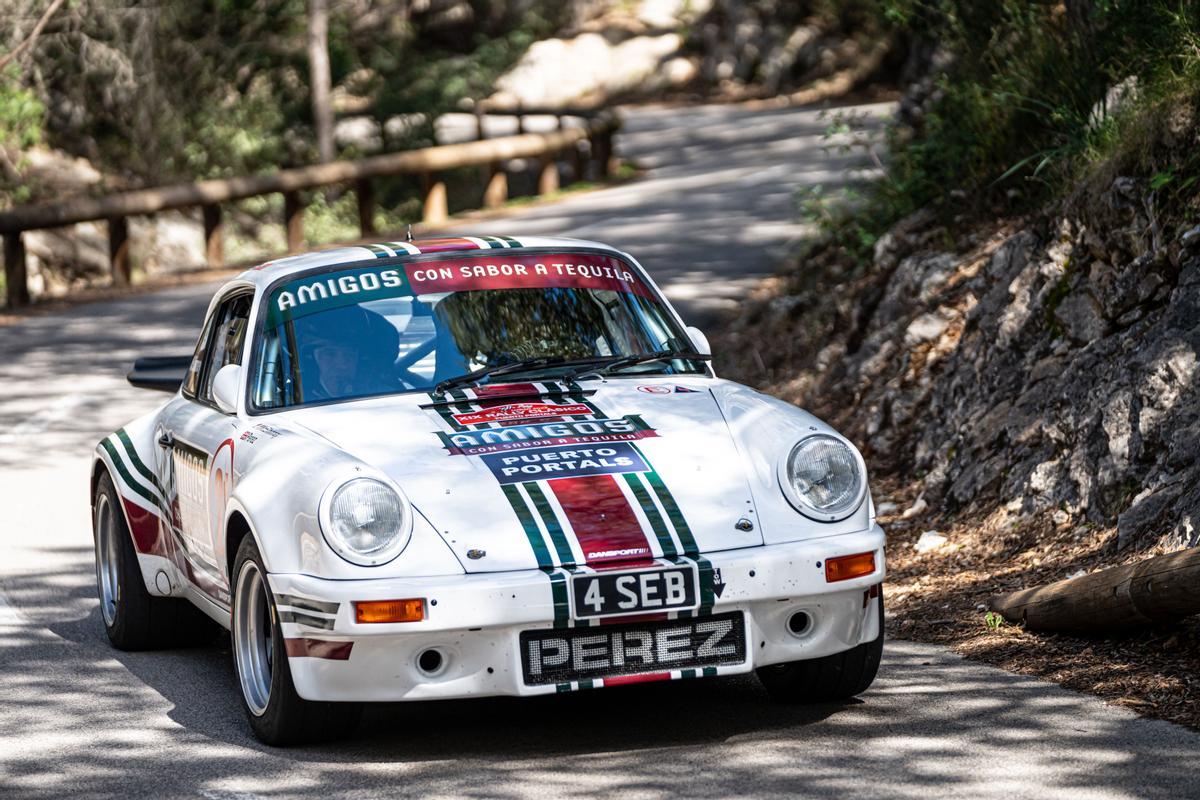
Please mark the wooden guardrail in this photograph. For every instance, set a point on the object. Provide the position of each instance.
(115, 209)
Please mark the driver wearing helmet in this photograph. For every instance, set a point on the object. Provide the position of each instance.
(346, 352)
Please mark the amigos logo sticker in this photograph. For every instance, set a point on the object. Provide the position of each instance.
(548, 434)
(564, 462)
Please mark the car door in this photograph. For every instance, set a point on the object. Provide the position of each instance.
(196, 447)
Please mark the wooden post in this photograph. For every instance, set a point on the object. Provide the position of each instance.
(495, 193)
(436, 209)
(548, 175)
(118, 250)
(576, 161)
(293, 220)
(1158, 589)
(602, 153)
(364, 190)
(214, 236)
(15, 274)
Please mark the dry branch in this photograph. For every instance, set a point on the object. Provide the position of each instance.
(33, 35)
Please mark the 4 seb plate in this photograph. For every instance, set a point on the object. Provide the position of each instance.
(614, 594)
(562, 655)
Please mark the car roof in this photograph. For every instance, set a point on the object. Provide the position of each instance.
(270, 271)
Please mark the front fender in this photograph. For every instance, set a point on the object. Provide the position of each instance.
(765, 429)
(278, 492)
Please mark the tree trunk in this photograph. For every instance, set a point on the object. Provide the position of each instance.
(319, 78)
(1159, 589)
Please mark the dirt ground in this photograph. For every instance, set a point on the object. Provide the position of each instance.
(940, 596)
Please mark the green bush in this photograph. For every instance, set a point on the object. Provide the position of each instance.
(1020, 114)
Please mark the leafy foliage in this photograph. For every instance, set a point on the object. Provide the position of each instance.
(176, 91)
(1028, 98)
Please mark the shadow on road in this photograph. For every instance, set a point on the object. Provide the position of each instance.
(932, 726)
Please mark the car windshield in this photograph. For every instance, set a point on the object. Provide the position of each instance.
(353, 333)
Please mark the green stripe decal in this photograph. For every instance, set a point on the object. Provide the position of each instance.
(511, 241)
(651, 511)
(673, 513)
(136, 460)
(445, 413)
(558, 590)
(492, 241)
(121, 468)
(561, 545)
(710, 671)
(531, 529)
(562, 687)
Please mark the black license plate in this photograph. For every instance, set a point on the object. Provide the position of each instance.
(558, 655)
(610, 594)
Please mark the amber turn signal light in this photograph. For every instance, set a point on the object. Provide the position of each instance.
(411, 610)
(843, 568)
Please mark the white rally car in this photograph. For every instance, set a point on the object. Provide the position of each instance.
(478, 466)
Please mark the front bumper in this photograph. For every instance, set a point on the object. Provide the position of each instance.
(475, 620)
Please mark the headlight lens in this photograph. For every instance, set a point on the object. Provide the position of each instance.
(368, 522)
(823, 479)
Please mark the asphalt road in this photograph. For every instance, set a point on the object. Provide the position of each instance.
(80, 719)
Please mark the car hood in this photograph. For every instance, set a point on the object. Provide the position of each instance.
(532, 475)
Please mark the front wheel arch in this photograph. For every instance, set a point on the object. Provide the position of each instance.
(237, 528)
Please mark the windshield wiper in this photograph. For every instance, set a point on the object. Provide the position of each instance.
(478, 375)
(620, 362)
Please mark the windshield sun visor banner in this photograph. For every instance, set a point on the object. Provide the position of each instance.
(498, 271)
(336, 289)
(330, 290)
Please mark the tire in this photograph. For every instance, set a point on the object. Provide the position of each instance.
(277, 714)
(133, 618)
(827, 679)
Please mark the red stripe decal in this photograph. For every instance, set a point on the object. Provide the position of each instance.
(656, 617)
(318, 648)
(506, 390)
(649, 677)
(604, 523)
(147, 534)
(437, 245)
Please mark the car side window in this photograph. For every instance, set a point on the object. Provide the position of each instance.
(225, 346)
(191, 381)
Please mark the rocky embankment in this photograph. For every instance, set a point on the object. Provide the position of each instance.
(1033, 368)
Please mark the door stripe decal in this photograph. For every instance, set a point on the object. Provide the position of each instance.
(137, 462)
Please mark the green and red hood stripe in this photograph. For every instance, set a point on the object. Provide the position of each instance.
(598, 514)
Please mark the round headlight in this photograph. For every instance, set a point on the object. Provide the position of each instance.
(823, 478)
(367, 522)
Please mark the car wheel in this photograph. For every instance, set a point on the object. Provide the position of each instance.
(827, 679)
(277, 714)
(133, 618)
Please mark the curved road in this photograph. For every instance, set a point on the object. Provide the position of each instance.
(82, 720)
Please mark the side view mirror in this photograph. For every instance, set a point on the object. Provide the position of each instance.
(161, 373)
(225, 387)
(699, 341)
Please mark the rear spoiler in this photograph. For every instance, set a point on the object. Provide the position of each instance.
(162, 373)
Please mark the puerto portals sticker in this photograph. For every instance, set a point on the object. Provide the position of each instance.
(564, 462)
